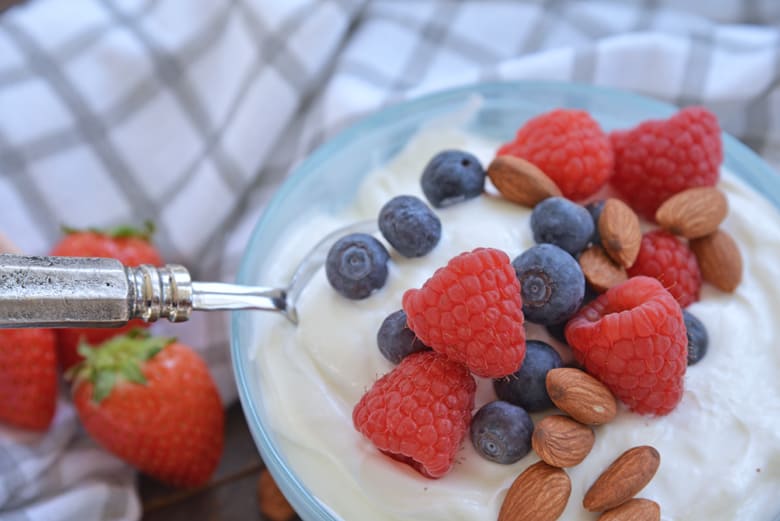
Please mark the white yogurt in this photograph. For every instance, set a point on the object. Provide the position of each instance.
(720, 448)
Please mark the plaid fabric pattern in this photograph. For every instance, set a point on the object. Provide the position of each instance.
(192, 112)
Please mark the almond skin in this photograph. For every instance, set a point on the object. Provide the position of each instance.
(620, 233)
(581, 396)
(540, 493)
(626, 476)
(520, 181)
(633, 510)
(600, 270)
(271, 501)
(719, 260)
(693, 213)
(561, 441)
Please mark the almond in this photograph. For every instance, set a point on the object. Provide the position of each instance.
(600, 270)
(272, 503)
(719, 259)
(626, 476)
(561, 441)
(581, 396)
(520, 181)
(633, 510)
(540, 493)
(620, 232)
(693, 213)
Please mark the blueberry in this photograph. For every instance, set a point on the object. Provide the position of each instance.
(595, 209)
(556, 220)
(409, 226)
(557, 330)
(452, 176)
(501, 432)
(396, 340)
(698, 339)
(357, 265)
(527, 388)
(552, 284)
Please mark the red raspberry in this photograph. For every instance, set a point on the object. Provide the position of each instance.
(420, 412)
(666, 258)
(633, 339)
(659, 158)
(569, 146)
(471, 311)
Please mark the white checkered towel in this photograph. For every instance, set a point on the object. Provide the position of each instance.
(191, 112)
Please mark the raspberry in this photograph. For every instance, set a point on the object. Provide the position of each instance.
(659, 158)
(569, 146)
(666, 258)
(471, 311)
(420, 412)
(633, 339)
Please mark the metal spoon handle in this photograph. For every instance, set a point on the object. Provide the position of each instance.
(90, 292)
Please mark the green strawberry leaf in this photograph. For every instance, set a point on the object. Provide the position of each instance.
(118, 360)
(104, 383)
(117, 232)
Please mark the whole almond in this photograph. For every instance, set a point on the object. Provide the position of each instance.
(693, 213)
(272, 503)
(520, 181)
(561, 441)
(581, 396)
(540, 493)
(719, 260)
(633, 510)
(600, 270)
(620, 232)
(626, 476)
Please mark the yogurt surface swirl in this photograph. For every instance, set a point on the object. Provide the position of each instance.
(720, 448)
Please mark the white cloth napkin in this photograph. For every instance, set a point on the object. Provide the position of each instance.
(191, 112)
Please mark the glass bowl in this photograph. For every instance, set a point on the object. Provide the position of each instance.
(330, 177)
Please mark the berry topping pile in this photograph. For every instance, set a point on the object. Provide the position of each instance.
(409, 226)
(471, 311)
(668, 259)
(610, 295)
(420, 412)
(395, 340)
(658, 159)
(570, 147)
(501, 432)
(356, 265)
(552, 284)
(633, 339)
(451, 177)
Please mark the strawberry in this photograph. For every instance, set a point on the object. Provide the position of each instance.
(28, 377)
(130, 246)
(152, 402)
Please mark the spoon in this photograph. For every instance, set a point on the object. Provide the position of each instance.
(93, 292)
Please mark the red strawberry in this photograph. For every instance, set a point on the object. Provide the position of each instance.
(659, 158)
(670, 260)
(28, 377)
(569, 146)
(132, 247)
(633, 339)
(471, 311)
(420, 412)
(152, 403)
